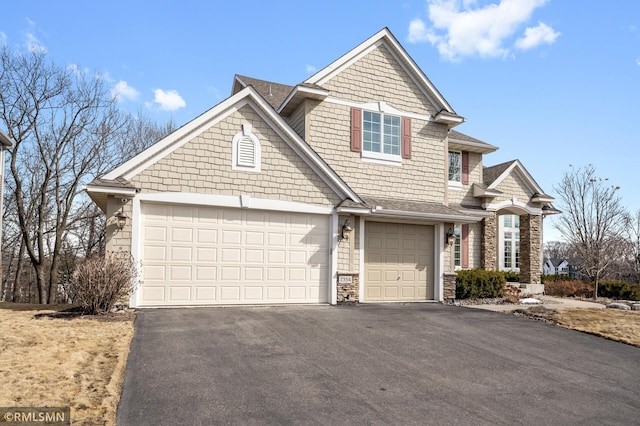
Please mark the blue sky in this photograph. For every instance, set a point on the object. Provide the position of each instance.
(551, 82)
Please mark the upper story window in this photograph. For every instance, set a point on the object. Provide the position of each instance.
(458, 168)
(246, 153)
(380, 133)
(455, 167)
(380, 136)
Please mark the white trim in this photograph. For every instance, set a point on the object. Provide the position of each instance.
(533, 185)
(361, 261)
(110, 190)
(438, 263)
(494, 207)
(333, 264)
(379, 158)
(136, 240)
(375, 106)
(236, 201)
(384, 37)
(316, 92)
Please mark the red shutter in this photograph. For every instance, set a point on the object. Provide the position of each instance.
(356, 130)
(464, 247)
(465, 168)
(406, 137)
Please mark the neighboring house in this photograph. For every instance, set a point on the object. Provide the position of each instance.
(5, 144)
(347, 186)
(556, 267)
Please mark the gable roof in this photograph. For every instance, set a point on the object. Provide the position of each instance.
(464, 142)
(386, 38)
(273, 93)
(118, 178)
(494, 175)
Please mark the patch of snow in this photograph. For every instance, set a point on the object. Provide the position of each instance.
(530, 301)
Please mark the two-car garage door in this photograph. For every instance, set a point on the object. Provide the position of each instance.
(208, 255)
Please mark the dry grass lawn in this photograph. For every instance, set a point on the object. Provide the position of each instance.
(613, 324)
(59, 362)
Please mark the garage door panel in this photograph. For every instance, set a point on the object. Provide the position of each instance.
(254, 274)
(154, 272)
(156, 253)
(155, 234)
(205, 294)
(180, 294)
(230, 293)
(181, 254)
(181, 235)
(179, 273)
(255, 238)
(398, 262)
(207, 255)
(207, 236)
(231, 255)
(206, 273)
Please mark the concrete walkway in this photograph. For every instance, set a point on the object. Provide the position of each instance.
(547, 301)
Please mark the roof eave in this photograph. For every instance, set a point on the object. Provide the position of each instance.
(451, 120)
(475, 147)
(6, 141)
(299, 94)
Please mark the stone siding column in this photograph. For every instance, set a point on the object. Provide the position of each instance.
(489, 251)
(449, 287)
(530, 249)
(348, 288)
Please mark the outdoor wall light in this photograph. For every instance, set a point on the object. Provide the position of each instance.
(121, 219)
(346, 230)
(451, 236)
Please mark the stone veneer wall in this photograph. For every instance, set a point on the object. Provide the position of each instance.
(489, 250)
(449, 287)
(530, 249)
(349, 293)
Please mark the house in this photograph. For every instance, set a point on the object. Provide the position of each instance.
(553, 266)
(350, 186)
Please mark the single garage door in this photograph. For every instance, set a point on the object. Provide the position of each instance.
(206, 255)
(398, 262)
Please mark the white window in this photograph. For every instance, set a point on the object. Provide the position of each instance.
(455, 167)
(457, 247)
(510, 242)
(246, 151)
(381, 136)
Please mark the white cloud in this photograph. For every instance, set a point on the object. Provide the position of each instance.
(169, 100)
(535, 36)
(3, 38)
(123, 92)
(310, 69)
(638, 62)
(461, 28)
(33, 43)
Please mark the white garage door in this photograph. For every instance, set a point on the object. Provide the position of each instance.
(398, 262)
(206, 255)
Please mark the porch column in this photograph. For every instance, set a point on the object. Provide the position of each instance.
(489, 252)
(530, 249)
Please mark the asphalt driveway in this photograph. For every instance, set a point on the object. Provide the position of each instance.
(372, 364)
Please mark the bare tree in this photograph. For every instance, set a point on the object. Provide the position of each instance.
(631, 260)
(592, 220)
(67, 130)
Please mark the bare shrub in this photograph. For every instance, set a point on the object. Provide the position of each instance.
(512, 293)
(99, 283)
(571, 288)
